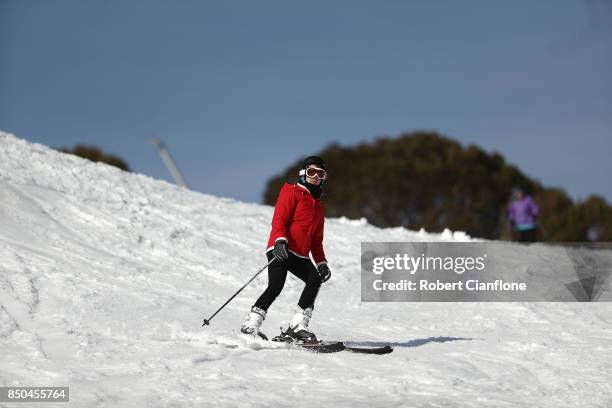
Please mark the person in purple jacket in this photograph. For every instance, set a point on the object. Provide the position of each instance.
(522, 215)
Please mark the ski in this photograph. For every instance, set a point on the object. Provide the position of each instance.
(369, 350)
(319, 346)
(336, 346)
(314, 345)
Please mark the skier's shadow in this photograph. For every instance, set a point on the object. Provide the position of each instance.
(409, 343)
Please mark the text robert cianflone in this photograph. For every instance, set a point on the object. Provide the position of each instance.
(412, 264)
(437, 285)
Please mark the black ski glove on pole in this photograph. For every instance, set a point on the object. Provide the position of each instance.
(324, 272)
(280, 250)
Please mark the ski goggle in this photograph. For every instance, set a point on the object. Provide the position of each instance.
(314, 172)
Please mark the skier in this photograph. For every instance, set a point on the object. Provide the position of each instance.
(297, 231)
(522, 214)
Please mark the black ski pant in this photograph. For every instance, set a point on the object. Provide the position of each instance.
(527, 235)
(303, 268)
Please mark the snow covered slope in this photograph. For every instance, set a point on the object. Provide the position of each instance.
(105, 277)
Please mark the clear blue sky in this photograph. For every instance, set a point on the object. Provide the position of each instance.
(239, 89)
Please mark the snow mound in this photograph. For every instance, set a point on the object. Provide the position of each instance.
(105, 277)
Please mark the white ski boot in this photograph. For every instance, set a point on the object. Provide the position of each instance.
(298, 326)
(253, 322)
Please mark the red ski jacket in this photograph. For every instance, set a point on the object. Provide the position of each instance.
(299, 218)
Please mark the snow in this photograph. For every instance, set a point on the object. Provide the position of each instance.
(105, 277)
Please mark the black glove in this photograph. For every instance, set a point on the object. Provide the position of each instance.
(280, 250)
(324, 272)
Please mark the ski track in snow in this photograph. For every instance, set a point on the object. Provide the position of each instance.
(105, 277)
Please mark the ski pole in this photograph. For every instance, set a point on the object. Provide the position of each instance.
(207, 321)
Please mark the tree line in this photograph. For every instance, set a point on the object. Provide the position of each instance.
(426, 180)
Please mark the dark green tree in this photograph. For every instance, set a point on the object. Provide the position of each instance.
(95, 154)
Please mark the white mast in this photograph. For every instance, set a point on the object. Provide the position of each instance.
(169, 162)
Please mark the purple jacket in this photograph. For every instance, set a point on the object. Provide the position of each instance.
(522, 213)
